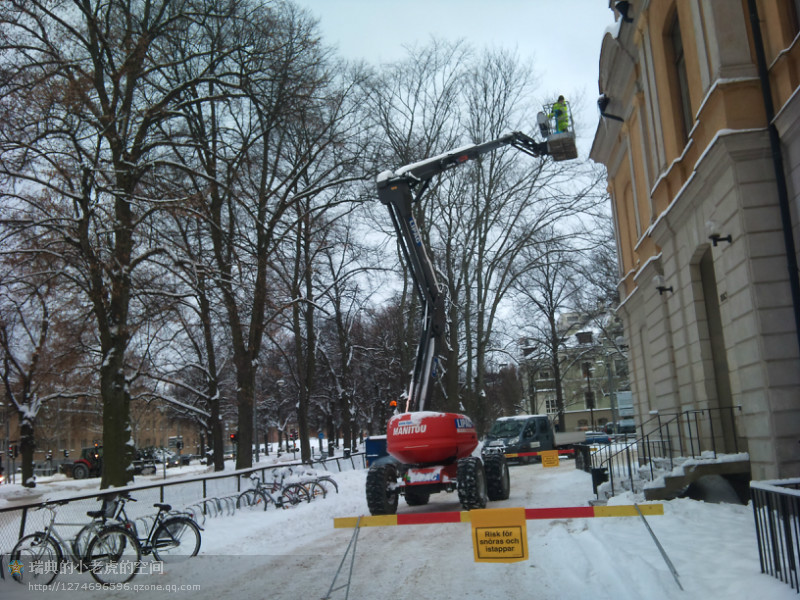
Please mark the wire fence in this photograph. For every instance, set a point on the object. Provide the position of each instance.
(207, 496)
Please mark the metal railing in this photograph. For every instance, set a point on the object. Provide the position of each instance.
(776, 508)
(667, 437)
(211, 493)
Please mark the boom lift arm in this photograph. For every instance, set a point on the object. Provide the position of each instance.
(398, 190)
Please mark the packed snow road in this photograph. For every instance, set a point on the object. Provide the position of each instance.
(295, 553)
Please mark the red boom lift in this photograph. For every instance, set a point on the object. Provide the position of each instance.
(433, 449)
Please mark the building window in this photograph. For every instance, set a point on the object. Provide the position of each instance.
(551, 406)
(544, 374)
(680, 80)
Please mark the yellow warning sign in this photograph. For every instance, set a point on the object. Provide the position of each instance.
(499, 534)
(549, 458)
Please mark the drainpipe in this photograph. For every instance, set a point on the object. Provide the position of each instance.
(777, 161)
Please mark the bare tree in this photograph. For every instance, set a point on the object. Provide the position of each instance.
(343, 270)
(85, 113)
(415, 108)
(278, 133)
(550, 284)
(40, 330)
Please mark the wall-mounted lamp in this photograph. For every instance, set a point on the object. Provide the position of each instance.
(712, 229)
(717, 238)
(623, 7)
(661, 285)
(602, 104)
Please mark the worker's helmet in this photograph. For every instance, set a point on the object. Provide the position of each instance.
(561, 98)
(393, 403)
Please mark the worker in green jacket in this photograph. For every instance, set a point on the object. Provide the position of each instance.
(559, 111)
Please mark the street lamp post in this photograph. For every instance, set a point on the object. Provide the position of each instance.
(6, 441)
(587, 369)
(612, 392)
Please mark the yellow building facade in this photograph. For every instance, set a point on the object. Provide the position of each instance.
(700, 136)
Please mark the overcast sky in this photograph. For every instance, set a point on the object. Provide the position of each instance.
(561, 37)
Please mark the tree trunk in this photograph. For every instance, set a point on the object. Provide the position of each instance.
(344, 408)
(118, 450)
(27, 446)
(244, 399)
(451, 364)
(554, 343)
(215, 429)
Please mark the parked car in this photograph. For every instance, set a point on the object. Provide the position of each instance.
(177, 460)
(623, 427)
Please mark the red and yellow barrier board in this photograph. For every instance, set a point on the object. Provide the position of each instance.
(565, 512)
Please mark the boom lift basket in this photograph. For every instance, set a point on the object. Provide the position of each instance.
(560, 144)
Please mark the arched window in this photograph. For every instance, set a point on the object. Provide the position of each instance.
(678, 78)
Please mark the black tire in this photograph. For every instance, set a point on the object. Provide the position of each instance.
(80, 471)
(498, 482)
(41, 549)
(176, 539)
(471, 483)
(416, 497)
(113, 556)
(252, 500)
(382, 495)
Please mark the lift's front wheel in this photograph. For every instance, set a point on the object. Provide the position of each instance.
(471, 478)
(498, 482)
(382, 494)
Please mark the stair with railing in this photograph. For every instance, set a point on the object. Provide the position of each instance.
(675, 451)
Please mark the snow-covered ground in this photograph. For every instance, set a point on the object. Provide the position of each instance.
(296, 553)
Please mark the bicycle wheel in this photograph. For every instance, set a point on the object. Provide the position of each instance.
(113, 555)
(35, 558)
(176, 539)
(329, 483)
(80, 545)
(252, 500)
(293, 494)
(315, 490)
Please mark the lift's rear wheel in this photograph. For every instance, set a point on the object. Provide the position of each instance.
(498, 483)
(382, 492)
(471, 483)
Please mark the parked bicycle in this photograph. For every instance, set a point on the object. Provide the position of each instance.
(110, 511)
(280, 496)
(173, 536)
(318, 486)
(111, 553)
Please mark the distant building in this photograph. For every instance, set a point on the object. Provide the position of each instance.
(700, 138)
(593, 372)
